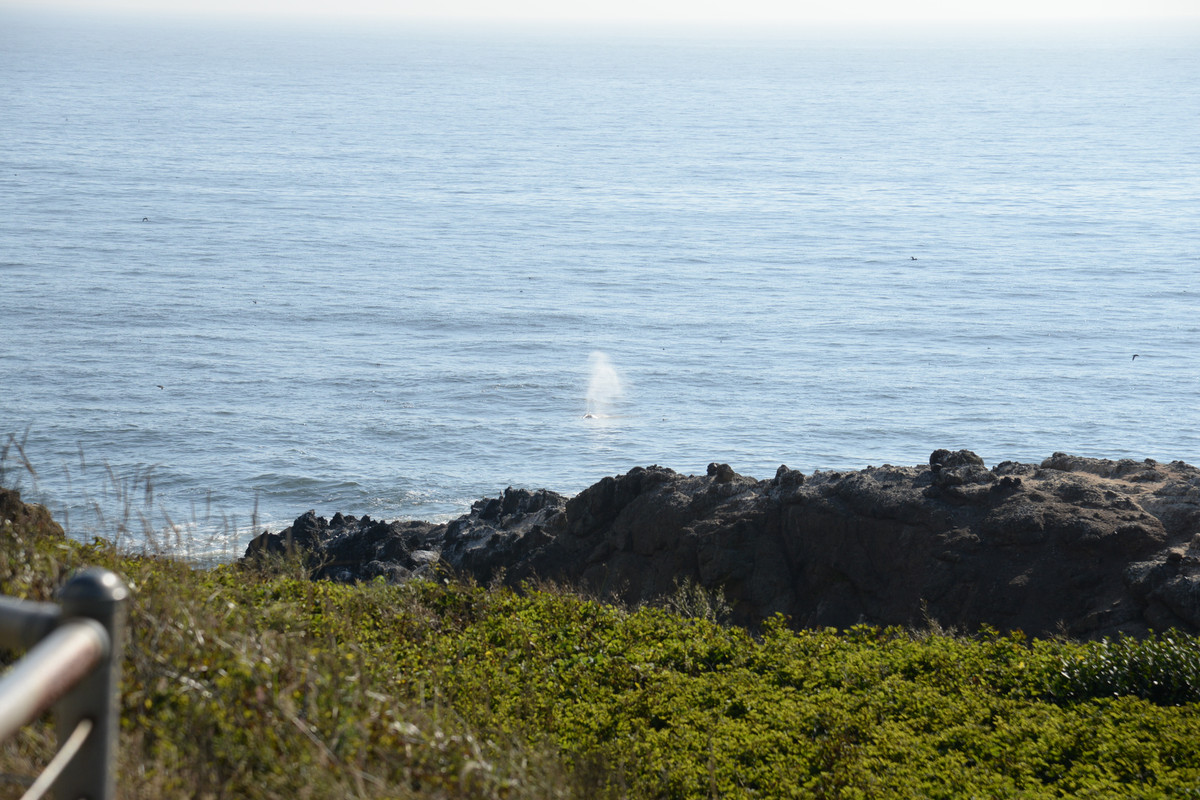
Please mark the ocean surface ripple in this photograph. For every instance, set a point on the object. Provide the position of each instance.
(247, 272)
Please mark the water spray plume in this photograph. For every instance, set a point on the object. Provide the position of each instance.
(604, 386)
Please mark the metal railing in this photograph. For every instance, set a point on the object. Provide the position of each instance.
(72, 667)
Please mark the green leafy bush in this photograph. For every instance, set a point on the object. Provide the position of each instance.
(256, 682)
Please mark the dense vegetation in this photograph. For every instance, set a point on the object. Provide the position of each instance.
(252, 681)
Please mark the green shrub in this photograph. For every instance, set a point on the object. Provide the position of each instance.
(257, 682)
(1164, 669)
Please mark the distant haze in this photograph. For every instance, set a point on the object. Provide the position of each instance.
(641, 11)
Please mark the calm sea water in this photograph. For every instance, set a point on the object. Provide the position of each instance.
(251, 270)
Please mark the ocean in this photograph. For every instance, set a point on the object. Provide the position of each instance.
(248, 270)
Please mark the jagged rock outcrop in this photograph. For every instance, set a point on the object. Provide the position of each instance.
(348, 548)
(1088, 547)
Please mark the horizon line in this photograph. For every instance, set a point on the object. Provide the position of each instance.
(516, 15)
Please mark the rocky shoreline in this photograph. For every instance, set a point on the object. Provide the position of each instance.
(1077, 546)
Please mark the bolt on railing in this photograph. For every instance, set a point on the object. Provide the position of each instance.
(72, 667)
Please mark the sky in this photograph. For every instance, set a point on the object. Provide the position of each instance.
(677, 11)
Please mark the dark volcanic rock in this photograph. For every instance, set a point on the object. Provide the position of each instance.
(502, 533)
(347, 548)
(1089, 547)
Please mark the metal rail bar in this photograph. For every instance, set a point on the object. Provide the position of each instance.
(24, 623)
(48, 671)
(62, 758)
